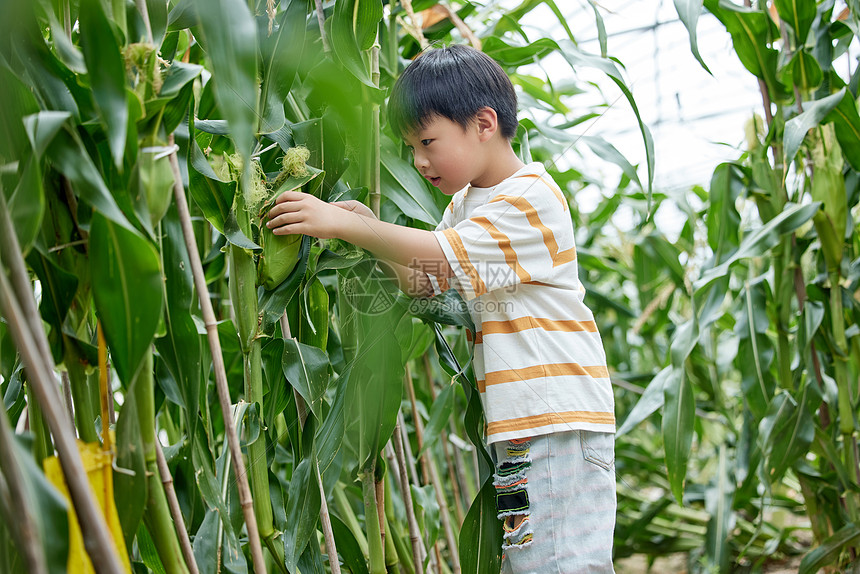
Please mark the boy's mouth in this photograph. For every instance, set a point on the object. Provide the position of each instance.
(434, 180)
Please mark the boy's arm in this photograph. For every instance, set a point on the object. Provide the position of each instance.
(412, 249)
(413, 282)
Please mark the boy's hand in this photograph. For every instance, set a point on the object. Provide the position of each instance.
(298, 212)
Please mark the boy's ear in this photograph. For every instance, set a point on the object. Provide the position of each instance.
(487, 123)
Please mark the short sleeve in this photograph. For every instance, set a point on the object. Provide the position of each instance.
(441, 284)
(521, 235)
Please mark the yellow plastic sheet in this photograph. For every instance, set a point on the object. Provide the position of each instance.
(97, 465)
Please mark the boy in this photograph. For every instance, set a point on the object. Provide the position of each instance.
(506, 243)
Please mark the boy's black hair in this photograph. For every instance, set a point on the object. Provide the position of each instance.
(455, 83)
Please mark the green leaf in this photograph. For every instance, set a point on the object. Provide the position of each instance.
(347, 547)
(762, 239)
(408, 190)
(181, 347)
(213, 196)
(798, 14)
(307, 369)
(343, 36)
(651, 400)
(480, 537)
(846, 537)
(689, 12)
(847, 123)
(231, 42)
(148, 552)
(65, 150)
(127, 288)
(749, 29)
(577, 58)
(679, 416)
(608, 152)
(329, 435)
(18, 102)
(813, 114)
(366, 17)
(303, 510)
(508, 54)
(175, 94)
(722, 217)
(804, 71)
(719, 499)
(107, 74)
(786, 432)
(440, 413)
(27, 203)
(130, 486)
(58, 289)
(377, 382)
(282, 52)
(42, 127)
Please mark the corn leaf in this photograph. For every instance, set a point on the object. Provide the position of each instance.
(689, 12)
(679, 415)
(128, 293)
(480, 536)
(231, 42)
(303, 510)
(107, 75)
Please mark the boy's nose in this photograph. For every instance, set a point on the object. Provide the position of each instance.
(421, 162)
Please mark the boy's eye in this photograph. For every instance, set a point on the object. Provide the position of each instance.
(426, 142)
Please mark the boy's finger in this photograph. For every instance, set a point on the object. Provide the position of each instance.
(290, 196)
(284, 207)
(283, 219)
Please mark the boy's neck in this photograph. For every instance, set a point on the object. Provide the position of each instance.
(501, 163)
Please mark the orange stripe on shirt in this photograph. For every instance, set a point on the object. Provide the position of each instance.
(549, 370)
(463, 257)
(505, 246)
(536, 421)
(550, 185)
(525, 323)
(527, 209)
(565, 256)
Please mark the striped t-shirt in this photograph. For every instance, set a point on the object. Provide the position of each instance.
(538, 357)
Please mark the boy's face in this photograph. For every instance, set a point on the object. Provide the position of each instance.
(446, 154)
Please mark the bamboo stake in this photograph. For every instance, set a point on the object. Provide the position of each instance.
(429, 466)
(407, 449)
(245, 500)
(321, 21)
(325, 517)
(418, 551)
(415, 28)
(453, 477)
(464, 30)
(25, 527)
(67, 394)
(375, 174)
(175, 511)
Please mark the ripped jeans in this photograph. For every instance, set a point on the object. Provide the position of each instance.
(556, 497)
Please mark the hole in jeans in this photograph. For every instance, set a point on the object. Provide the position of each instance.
(512, 497)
